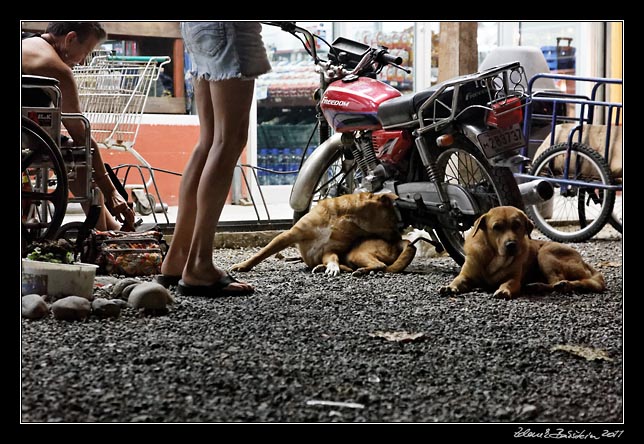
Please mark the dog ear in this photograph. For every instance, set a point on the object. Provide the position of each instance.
(481, 223)
(529, 226)
(387, 197)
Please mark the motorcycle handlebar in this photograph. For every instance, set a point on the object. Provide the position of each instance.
(382, 55)
(391, 60)
(285, 26)
(292, 28)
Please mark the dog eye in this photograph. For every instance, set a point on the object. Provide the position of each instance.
(516, 225)
(497, 227)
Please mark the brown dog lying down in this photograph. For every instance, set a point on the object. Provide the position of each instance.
(369, 255)
(500, 255)
(354, 232)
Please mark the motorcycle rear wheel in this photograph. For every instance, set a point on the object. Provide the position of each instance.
(463, 164)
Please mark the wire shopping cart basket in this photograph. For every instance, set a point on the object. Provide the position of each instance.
(113, 91)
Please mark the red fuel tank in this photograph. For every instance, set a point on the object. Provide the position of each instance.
(353, 106)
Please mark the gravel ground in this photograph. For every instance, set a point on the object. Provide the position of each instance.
(304, 342)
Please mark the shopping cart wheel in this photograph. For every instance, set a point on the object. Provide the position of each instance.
(44, 184)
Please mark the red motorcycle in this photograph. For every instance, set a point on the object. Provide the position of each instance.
(446, 151)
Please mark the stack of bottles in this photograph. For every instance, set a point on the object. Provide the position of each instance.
(401, 45)
(283, 164)
(290, 79)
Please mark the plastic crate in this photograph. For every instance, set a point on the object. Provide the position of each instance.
(284, 135)
(298, 134)
(274, 136)
(550, 53)
(560, 56)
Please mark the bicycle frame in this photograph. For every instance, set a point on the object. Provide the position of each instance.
(586, 115)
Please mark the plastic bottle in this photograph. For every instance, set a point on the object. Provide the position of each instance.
(285, 165)
(274, 178)
(296, 157)
(261, 162)
(321, 33)
(268, 177)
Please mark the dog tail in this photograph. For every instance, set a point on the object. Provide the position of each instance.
(404, 259)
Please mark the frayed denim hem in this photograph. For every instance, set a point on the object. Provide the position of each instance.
(206, 76)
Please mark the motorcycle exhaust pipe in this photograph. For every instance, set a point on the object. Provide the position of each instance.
(536, 191)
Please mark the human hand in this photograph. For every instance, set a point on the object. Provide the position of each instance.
(120, 209)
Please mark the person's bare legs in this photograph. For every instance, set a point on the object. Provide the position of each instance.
(105, 220)
(231, 101)
(223, 109)
(177, 256)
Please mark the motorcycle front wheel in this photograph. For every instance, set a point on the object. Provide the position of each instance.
(341, 176)
(463, 164)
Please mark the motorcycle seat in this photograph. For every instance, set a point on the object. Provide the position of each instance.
(402, 112)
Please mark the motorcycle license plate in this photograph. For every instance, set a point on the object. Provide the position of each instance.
(498, 140)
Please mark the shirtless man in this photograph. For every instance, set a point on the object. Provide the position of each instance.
(54, 54)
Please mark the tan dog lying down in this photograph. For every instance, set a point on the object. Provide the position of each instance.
(377, 255)
(500, 255)
(354, 232)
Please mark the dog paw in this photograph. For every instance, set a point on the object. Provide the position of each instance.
(332, 269)
(446, 290)
(563, 287)
(502, 293)
(240, 267)
(318, 269)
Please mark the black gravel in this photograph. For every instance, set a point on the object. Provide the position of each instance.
(303, 338)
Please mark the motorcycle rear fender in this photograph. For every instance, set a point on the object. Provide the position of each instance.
(309, 175)
(472, 132)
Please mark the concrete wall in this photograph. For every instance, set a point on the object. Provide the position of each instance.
(165, 142)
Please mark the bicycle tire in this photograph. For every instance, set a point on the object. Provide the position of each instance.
(571, 213)
(616, 224)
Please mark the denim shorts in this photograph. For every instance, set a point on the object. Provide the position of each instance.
(225, 50)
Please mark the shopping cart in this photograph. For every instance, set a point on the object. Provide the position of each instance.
(113, 91)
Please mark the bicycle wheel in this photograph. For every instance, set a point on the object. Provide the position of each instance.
(44, 184)
(588, 201)
(615, 222)
(576, 212)
(464, 165)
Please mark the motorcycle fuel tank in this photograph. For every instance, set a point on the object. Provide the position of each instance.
(353, 105)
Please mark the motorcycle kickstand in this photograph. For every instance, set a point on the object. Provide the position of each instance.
(433, 241)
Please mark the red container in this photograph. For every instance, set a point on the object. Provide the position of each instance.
(505, 113)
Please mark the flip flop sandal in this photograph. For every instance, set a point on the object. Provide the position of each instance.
(217, 289)
(167, 280)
